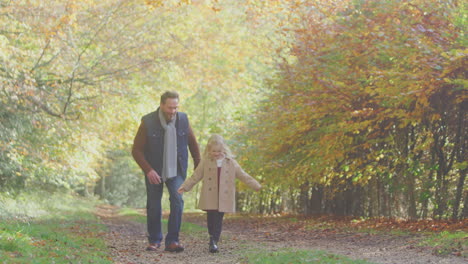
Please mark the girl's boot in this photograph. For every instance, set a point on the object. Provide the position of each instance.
(213, 246)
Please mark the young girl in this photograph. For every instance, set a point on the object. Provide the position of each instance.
(218, 169)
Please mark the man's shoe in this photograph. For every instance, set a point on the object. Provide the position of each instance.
(174, 247)
(213, 246)
(153, 247)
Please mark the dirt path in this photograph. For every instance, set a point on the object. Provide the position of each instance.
(127, 241)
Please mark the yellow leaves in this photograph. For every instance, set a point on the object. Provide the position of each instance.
(435, 117)
(461, 165)
(154, 3)
(379, 157)
(175, 3)
(215, 9)
(366, 111)
(65, 20)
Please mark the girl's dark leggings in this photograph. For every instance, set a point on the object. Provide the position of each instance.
(215, 223)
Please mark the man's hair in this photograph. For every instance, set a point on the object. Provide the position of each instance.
(169, 94)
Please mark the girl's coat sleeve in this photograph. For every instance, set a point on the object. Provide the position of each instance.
(246, 178)
(195, 178)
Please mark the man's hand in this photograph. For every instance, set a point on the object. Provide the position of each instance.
(153, 177)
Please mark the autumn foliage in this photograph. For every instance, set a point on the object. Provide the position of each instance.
(369, 116)
(354, 108)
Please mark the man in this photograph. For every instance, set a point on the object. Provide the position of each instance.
(160, 149)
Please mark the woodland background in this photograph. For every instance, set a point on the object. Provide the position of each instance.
(342, 107)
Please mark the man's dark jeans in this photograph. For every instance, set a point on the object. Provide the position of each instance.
(154, 211)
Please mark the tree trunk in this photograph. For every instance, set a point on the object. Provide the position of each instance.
(103, 188)
(358, 200)
(427, 189)
(465, 206)
(412, 213)
(316, 199)
(441, 181)
(374, 194)
(304, 199)
(458, 195)
(439, 193)
(461, 141)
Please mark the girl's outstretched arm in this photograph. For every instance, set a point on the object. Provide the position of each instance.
(246, 178)
(194, 179)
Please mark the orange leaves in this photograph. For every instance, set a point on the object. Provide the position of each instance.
(413, 226)
(321, 227)
(39, 243)
(368, 71)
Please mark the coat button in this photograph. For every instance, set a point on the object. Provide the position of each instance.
(209, 189)
(209, 179)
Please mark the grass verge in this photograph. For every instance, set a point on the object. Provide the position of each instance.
(448, 243)
(50, 228)
(297, 256)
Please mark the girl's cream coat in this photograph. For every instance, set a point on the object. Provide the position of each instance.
(208, 171)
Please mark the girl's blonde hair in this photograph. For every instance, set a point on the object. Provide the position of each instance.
(217, 140)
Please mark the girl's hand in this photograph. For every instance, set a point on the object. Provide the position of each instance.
(181, 190)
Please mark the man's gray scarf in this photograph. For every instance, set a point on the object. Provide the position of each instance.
(169, 169)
